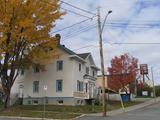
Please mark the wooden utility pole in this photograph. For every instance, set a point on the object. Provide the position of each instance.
(154, 90)
(102, 63)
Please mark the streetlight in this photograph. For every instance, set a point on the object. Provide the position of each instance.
(100, 29)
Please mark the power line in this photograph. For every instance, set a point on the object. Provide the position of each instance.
(136, 27)
(74, 12)
(73, 25)
(80, 31)
(67, 10)
(78, 8)
(114, 24)
(87, 46)
(135, 43)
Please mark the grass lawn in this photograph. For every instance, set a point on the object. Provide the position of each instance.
(144, 97)
(1, 105)
(59, 112)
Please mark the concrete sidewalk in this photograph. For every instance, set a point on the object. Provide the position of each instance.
(135, 107)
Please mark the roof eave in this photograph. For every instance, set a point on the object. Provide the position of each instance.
(93, 66)
(77, 58)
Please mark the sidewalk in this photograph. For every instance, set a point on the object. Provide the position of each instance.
(135, 107)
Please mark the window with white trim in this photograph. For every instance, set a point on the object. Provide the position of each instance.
(79, 86)
(35, 86)
(59, 65)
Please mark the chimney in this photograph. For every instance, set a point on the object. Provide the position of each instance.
(58, 38)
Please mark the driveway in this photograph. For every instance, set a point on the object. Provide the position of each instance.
(151, 112)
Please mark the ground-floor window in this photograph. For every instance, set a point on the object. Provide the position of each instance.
(35, 86)
(59, 85)
(79, 86)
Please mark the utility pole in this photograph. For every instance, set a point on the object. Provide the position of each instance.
(100, 30)
(102, 64)
(154, 90)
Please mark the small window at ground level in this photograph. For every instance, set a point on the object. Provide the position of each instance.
(29, 102)
(60, 102)
(78, 101)
(35, 101)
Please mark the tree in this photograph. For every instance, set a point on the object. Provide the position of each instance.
(24, 37)
(122, 72)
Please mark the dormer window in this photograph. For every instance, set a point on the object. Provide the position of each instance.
(87, 70)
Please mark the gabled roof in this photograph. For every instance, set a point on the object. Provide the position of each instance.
(84, 55)
(80, 57)
(71, 53)
(66, 50)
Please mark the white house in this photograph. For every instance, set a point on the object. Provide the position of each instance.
(70, 80)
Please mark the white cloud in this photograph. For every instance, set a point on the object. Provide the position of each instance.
(133, 12)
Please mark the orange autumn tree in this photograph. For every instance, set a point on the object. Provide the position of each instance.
(24, 37)
(122, 72)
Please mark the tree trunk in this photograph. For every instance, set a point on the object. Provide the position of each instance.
(7, 100)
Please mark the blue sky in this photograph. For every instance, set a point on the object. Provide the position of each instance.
(132, 21)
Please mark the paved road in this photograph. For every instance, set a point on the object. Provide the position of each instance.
(151, 112)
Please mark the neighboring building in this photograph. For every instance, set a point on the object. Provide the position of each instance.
(113, 89)
(69, 80)
(107, 83)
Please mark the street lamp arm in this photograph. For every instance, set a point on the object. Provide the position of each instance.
(109, 12)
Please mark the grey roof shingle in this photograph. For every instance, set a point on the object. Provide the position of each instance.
(84, 55)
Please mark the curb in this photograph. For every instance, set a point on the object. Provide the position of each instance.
(29, 118)
(128, 109)
(79, 117)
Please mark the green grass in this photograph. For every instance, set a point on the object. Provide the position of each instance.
(1, 105)
(144, 97)
(60, 112)
(39, 114)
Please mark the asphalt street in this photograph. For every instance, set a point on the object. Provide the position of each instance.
(151, 112)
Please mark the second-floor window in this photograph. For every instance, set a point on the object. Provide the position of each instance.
(37, 68)
(80, 67)
(93, 73)
(35, 86)
(59, 85)
(87, 70)
(86, 87)
(59, 65)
